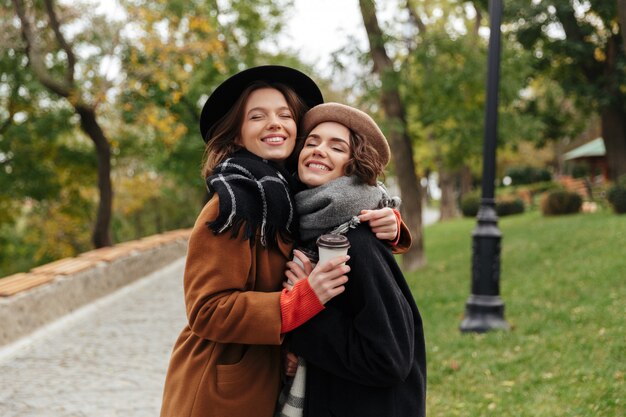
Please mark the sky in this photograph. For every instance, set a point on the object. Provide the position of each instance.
(318, 28)
(315, 28)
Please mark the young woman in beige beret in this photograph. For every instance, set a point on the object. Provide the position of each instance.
(364, 354)
(227, 360)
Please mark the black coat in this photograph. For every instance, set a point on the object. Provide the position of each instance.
(365, 351)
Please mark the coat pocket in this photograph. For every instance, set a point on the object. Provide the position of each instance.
(233, 377)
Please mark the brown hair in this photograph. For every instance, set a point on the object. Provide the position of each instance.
(365, 161)
(221, 142)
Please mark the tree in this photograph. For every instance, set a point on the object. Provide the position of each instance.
(621, 11)
(24, 155)
(178, 52)
(443, 76)
(62, 78)
(580, 45)
(443, 87)
(170, 55)
(400, 142)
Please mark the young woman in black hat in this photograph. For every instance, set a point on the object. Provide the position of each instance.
(226, 361)
(364, 354)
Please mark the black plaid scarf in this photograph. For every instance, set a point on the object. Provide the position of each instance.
(254, 194)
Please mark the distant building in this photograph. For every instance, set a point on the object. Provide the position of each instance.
(592, 156)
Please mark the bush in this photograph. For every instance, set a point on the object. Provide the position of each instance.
(508, 207)
(617, 196)
(528, 175)
(561, 202)
(470, 204)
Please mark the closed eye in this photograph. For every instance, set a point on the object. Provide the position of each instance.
(310, 141)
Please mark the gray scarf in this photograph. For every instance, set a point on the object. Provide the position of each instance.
(336, 203)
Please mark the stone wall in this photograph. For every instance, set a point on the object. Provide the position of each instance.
(33, 299)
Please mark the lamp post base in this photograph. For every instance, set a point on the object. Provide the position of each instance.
(484, 313)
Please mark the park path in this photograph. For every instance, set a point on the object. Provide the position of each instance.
(106, 359)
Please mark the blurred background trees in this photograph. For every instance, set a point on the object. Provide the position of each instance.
(582, 48)
(87, 98)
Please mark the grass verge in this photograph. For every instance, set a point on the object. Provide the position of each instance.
(563, 281)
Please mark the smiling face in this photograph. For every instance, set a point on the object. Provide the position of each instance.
(325, 155)
(268, 129)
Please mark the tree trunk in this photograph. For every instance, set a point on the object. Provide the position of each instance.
(88, 123)
(447, 209)
(65, 87)
(612, 114)
(465, 181)
(400, 143)
(614, 135)
(621, 14)
(477, 21)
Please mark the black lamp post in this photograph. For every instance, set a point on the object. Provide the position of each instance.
(484, 309)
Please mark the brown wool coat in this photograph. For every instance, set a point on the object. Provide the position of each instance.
(226, 361)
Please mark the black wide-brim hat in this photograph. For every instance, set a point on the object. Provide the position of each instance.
(226, 94)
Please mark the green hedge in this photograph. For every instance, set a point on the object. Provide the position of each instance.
(561, 202)
(508, 207)
(528, 175)
(470, 205)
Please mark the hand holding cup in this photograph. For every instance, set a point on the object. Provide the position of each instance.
(329, 277)
(298, 268)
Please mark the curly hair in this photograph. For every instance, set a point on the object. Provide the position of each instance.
(222, 137)
(365, 161)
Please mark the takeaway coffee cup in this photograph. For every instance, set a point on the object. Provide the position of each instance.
(330, 246)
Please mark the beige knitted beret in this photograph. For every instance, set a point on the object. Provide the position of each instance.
(354, 119)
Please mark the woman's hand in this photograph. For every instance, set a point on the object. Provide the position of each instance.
(291, 364)
(295, 272)
(383, 222)
(327, 280)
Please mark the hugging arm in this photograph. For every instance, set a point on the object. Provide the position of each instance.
(387, 225)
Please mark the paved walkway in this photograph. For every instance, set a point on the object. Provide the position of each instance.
(107, 359)
(104, 360)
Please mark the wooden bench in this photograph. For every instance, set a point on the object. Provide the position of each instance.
(23, 281)
(44, 274)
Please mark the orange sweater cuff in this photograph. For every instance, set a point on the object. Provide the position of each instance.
(298, 305)
(399, 221)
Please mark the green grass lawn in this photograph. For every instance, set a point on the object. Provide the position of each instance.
(563, 281)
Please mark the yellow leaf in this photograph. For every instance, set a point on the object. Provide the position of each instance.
(599, 55)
